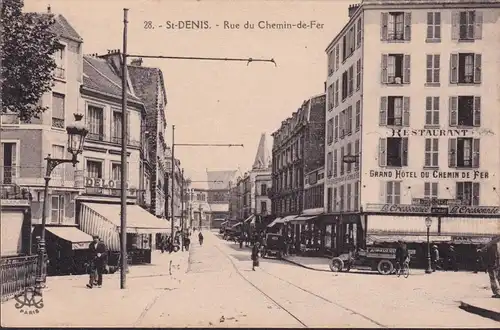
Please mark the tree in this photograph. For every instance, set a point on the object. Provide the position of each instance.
(27, 59)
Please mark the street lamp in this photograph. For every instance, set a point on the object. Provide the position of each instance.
(76, 138)
(428, 223)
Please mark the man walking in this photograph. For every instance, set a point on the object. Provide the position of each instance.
(98, 255)
(493, 264)
(435, 258)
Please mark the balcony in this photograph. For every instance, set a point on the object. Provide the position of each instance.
(101, 137)
(57, 123)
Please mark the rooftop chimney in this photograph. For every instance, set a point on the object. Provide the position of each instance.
(352, 9)
(136, 62)
(49, 9)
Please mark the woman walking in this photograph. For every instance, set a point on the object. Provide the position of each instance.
(255, 255)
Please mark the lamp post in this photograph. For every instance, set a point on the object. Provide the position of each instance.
(428, 223)
(76, 138)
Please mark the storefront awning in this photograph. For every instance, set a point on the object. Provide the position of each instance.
(250, 218)
(302, 219)
(288, 218)
(236, 225)
(104, 220)
(78, 239)
(370, 239)
(275, 222)
(395, 224)
(464, 226)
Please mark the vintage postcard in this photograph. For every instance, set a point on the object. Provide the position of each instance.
(253, 163)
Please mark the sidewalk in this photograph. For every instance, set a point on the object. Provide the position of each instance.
(67, 301)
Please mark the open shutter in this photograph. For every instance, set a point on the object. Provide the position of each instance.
(383, 66)
(455, 25)
(452, 152)
(407, 22)
(404, 152)
(427, 189)
(406, 69)
(477, 111)
(383, 192)
(382, 155)
(453, 68)
(475, 193)
(102, 129)
(453, 109)
(383, 111)
(475, 153)
(13, 160)
(478, 25)
(406, 111)
(129, 136)
(477, 68)
(384, 19)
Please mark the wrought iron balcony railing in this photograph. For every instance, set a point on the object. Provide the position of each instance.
(112, 139)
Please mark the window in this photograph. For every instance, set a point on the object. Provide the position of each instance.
(330, 97)
(432, 110)
(263, 207)
(358, 30)
(9, 162)
(393, 192)
(350, 87)
(329, 200)
(393, 152)
(57, 210)
(58, 152)
(467, 193)
(341, 198)
(263, 190)
(345, 84)
(356, 152)
(396, 69)
(337, 57)
(465, 68)
(467, 25)
(330, 63)
(94, 169)
(60, 59)
(336, 96)
(344, 48)
(335, 201)
(335, 163)
(352, 40)
(465, 111)
(433, 69)
(349, 152)
(358, 74)
(394, 111)
(464, 152)
(336, 128)
(329, 164)
(342, 124)
(431, 190)
(395, 26)
(116, 128)
(57, 110)
(348, 199)
(329, 131)
(431, 152)
(433, 26)
(356, 196)
(95, 122)
(116, 172)
(341, 161)
(358, 116)
(349, 120)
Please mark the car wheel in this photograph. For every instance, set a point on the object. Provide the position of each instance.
(385, 267)
(336, 265)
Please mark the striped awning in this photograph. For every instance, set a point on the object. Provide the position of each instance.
(250, 218)
(77, 238)
(288, 218)
(302, 218)
(463, 226)
(275, 222)
(396, 225)
(370, 239)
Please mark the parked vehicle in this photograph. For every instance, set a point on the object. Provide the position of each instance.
(379, 259)
(273, 246)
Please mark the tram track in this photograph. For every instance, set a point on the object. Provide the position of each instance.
(294, 315)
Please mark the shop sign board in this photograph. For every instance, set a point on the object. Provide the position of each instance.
(15, 202)
(435, 201)
(470, 240)
(430, 209)
(397, 174)
(107, 187)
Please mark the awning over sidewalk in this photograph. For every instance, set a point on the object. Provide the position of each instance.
(236, 225)
(250, 218)
(104, 220)
(393, 224)
(275, 222)
(288, 218)
(77, 238)
(302, 219)
(470, 226)
(370, 239)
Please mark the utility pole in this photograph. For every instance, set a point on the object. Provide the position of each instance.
(123, 187)
(182, 209)
(172, 178)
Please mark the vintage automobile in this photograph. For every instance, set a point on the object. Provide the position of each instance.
(273, 245)
(381, 259)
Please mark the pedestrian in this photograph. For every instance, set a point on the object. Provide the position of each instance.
(401, 255)
(452, 259)
(492, 259)
(187, 243)
(435, 258)
(255, 255)
(479, 266)
(200, 238)
(98, 256)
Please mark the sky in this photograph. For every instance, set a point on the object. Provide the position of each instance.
(217, 102)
